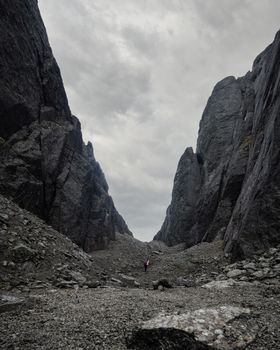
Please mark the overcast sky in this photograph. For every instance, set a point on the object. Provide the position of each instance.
(138, 74)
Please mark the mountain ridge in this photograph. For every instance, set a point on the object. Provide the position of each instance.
(236, 160)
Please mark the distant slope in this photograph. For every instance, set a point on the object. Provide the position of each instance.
(230, 188)
(44, 164)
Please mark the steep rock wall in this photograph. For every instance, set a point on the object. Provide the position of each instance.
(44, 164)
(238, 151)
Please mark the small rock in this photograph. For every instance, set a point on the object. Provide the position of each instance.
(11, 264)
(234, 273)
(77, 276)
(22, 253)
(28, 266)
(276, 268)
(93, 284)
(244, 278)
(66, 284)
(188, 283)
(10, 303)
(250, 266)
(128, 281)
(258, 274)
(115, 280)
(157, 252)
(272, 251)
(4, 217)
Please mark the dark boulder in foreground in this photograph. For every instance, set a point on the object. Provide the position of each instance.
(44, 164)
(230, 188)
(165, 339)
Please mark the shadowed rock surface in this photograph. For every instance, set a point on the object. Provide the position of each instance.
(165, 339)
(237, 167)
(44, 164)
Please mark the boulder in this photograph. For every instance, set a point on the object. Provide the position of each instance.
(164, 283)
(220, 284)
(200, 329)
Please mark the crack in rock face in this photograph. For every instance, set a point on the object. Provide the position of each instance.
(202, 327)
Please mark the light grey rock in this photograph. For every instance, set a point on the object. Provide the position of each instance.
(235, 273)
(250, 266)
(115, 280)
(128, 281)
(258, 274)
(208, 326)
(220, 284)
(4, 217)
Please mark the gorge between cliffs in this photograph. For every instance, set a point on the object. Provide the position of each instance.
(71, 271)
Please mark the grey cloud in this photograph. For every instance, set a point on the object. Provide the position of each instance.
(220, 14)
(143, 43)
(138, 75)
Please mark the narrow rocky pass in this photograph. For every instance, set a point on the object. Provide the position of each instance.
(72, 275)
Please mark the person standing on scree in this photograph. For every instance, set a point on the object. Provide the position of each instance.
(146, 264)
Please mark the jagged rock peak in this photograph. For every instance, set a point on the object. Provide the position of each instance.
(180, 213)
(238, 165)
(44, 164)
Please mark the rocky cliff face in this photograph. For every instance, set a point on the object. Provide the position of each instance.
(234, 186)
(44, 164)
(181, 212)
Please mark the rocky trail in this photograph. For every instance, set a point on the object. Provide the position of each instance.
(55, 296)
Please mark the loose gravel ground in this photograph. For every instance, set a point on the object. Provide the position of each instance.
(104, 318)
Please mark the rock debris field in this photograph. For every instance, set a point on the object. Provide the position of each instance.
(54, 296)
